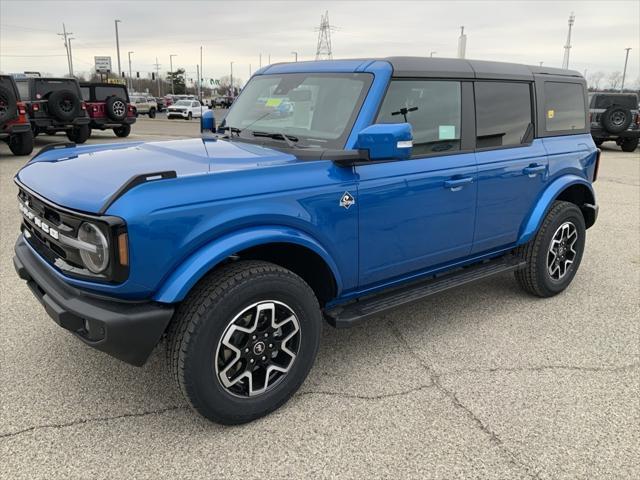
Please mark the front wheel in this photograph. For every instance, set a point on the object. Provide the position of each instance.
(189, 116)
(629, 144)
(244, 340)
(554, 254)
(152, 113)
(122, 131)
(79, 134)
(21, 144)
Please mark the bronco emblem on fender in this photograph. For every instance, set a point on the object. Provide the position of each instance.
(347, 200)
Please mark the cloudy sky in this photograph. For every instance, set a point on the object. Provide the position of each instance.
(238, 31)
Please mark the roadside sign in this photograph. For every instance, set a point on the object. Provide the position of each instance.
(103, 64)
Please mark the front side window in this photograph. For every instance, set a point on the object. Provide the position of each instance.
(315, 109)
(564, 107)
(503, 114)
(431, 107)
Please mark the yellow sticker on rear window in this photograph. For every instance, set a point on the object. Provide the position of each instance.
(550, 113)
(273, 102)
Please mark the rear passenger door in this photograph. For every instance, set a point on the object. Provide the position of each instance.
(512, 165)
(419, 213)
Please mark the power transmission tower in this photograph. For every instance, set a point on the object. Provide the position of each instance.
(157, 65)
(66, 34)
(567, 47)
(323, 51)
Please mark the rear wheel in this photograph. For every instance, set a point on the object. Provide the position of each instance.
(554, 254)
(629, 144)
(21, 144)
(79, 134)
(244, 340)
(122, 131)
(189, 116)
(152, 113)
(598, 142)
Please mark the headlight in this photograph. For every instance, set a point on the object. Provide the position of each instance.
(98, 260)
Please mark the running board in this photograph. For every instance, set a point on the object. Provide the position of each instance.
(344, 316)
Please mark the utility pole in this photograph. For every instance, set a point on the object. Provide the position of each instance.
(295, 54)
(462, 43)
(624, 72)
(130, 76)
(232, 89)
(198, 77)
(65, 34)
(567, 47)
(118, 48)
(157, 65)
(249, 70)
(171, 72)
(260, 62)
(201, 74)
(71, 56)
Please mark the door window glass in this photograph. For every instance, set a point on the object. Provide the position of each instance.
(503, 114)
(564, 107)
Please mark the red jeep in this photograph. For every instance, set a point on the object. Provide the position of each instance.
(109, 107)
(15, 128)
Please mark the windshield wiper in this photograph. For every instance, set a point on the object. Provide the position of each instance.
(290, 139)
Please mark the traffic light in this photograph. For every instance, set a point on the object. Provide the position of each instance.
(123, 75)
(153, 76)
(137, 74)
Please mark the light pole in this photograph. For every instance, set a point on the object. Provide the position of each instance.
(118, 48)
(130, 77)
(431, 54)
(624, 72)
(231, 81)
(295, 54)
(171, 71)
(71, 56)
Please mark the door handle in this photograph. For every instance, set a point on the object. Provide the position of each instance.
(456, 184)
(533, 170)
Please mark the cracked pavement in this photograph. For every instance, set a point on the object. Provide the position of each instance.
(478, 382)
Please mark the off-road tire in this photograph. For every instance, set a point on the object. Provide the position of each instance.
(116, 108)
(64, 105)
(79, 134)
(629, 144)
(201, 320)
(21, 143)
(535, 278)
(8, 105)
(122, 131)
(598, 142)
(152, 113)
(616, 119)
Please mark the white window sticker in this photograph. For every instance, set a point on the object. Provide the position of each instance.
(447, 132)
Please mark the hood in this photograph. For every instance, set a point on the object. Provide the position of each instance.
(84, 178)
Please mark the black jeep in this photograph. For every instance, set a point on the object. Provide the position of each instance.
(55, 105)
(109, 107)
(14, 124)
(614, 116)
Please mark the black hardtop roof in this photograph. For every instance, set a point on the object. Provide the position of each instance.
(101, 84)
(463, 68)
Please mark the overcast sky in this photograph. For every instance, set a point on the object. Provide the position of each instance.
(509, 30)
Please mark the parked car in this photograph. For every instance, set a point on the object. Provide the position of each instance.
(222, 102)
(145, 105)
(186, 109)
(55, 105)
(391, 180)
(15, 128)
(614, 117)
(109, 107)
(160, 102)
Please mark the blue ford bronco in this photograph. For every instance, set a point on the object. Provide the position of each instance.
(333, 190)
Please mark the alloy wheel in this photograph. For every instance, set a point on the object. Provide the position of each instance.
(562, 252)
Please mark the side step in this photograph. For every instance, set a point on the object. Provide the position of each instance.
(344, 316)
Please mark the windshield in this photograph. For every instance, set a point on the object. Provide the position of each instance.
(185, 103)
(317, 109)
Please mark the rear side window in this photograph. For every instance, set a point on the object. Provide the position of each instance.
(23, 90)
(86, 93)
(431, 107)
(564, 107)
(503, 114)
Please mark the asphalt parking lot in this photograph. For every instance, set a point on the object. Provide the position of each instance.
(479, 382)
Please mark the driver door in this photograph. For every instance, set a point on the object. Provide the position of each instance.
(419, 213)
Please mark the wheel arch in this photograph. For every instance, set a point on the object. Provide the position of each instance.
(571, 188)
(284, 246)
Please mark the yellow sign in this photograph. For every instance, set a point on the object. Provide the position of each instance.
(550, 113)
(273, 102)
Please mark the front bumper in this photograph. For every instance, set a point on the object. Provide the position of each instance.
(177, 113)
(128, 331)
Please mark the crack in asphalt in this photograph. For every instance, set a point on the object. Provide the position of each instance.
(84, 421)
(366, 397)
(451, 395)
(542, 368)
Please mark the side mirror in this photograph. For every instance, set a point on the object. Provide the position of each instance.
(386, 141)
(207, 122)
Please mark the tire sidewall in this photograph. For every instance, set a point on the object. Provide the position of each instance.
(110, 111)
(200, 376)
(607, 122)
(11, 107)
(570, 213)
(54, 105)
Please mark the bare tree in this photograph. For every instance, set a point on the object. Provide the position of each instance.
(595, 78)
(615, 78)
